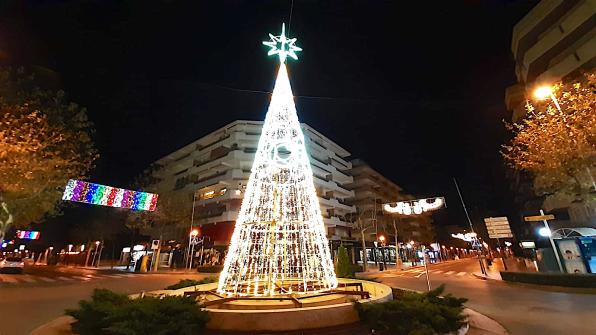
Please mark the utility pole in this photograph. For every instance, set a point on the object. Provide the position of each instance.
(471, 226)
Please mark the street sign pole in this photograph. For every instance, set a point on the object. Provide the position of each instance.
(552, 243)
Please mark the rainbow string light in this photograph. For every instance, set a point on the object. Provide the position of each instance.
(96, 194)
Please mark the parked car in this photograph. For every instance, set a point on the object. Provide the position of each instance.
(12, 265)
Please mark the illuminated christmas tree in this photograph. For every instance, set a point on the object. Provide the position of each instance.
(279, 244)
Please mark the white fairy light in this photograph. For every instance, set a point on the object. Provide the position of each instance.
(417, 207)
(279, 244)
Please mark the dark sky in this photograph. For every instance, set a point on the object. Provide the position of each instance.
(414, 88)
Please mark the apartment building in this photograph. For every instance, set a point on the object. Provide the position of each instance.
(216, 168)
(553, 41)
(371, 191)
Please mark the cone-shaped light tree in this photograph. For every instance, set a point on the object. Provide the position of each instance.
(279, 244)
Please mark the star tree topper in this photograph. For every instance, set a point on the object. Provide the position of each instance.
(286, 45)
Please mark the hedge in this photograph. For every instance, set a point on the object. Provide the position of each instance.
(553, 279)
(112, 313)
(415, 313)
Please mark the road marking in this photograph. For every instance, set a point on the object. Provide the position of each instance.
(80, 278)
(420, 275)
(449, 273)
(46, 279)
(461, 274)
(65, 278)
(27, 279)
(8, 279)
(437, 271)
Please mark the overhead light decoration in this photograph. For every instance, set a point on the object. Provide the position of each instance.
(468, 237)
(414, 207)
(27, 235)
(279, 244)
(96, 194)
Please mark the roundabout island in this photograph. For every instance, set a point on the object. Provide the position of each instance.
(283, 312)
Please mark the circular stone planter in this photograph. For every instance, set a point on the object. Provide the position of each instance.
(305, 312)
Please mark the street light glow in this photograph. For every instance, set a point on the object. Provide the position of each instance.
(194, 232)
(544, 232)
(382, 238)
(542, 92)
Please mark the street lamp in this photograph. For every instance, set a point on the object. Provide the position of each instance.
(545, 232)
(382, 240)
(544, 92)
(192, 236)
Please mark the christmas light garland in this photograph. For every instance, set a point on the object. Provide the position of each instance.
(279, 244)
(96, 194)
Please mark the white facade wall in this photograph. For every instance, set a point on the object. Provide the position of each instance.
(217, 167)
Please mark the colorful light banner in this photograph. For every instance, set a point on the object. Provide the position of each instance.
(95, 194)
(27, 235)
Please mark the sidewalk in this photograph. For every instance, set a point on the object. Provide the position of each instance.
(493, 272)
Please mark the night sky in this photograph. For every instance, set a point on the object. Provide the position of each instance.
(415, 90)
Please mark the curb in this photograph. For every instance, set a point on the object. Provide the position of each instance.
(483, 277)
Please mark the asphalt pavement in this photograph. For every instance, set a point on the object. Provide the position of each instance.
(27, 304)
(521, 308)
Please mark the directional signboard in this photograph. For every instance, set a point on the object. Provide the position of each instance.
(498, 227)
(539, 218)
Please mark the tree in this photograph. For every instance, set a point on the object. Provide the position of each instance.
(44, 141)
(361, 224)
(172, 207)
(558, 147)
(343, 267)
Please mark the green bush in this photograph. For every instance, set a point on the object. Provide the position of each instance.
(191, 282)
(342, 269)
(556, 279)
(415, 314)
(109, 313)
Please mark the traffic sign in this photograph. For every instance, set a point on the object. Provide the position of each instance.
(498, 227)
(539, 218)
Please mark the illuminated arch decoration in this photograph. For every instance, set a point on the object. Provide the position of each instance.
(414, 207)
(279, 244)
(96, 194)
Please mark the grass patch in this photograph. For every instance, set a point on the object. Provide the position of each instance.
(117, 314)
(415, 314)
(191, 282)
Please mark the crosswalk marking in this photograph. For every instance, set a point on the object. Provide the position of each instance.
(449, 272)
(27, 278)
(461, 274)
(437, 271)
(64, 278)
(81, 278)
(46, 279)
(8, 279)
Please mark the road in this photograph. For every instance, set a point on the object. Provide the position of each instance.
(522, 309)
(27, 304)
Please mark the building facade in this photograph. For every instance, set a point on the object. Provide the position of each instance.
(371, 191)
(554, 41)
(215, 169)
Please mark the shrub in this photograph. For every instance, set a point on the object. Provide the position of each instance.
(415, 314)
(111, 313)
(343, 263)
(191, 282)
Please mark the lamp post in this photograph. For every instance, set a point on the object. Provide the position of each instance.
(192, 241)
(382, 240)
